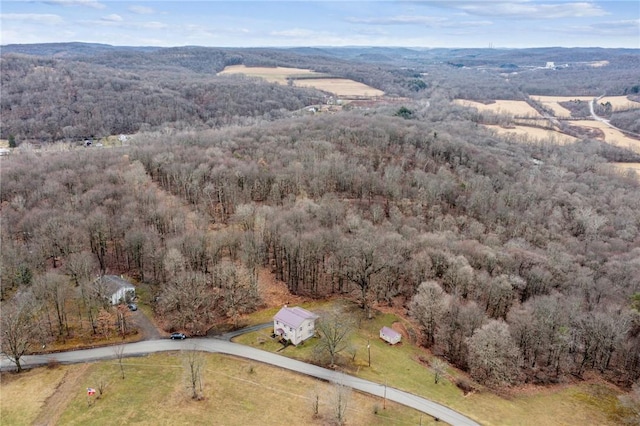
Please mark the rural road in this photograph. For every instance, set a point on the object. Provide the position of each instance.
(604, 120)
(226, 347)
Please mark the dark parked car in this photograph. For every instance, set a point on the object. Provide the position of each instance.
(178, 336)
(132, 307)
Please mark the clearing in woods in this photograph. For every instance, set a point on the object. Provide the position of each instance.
(515, 108)
(529, 134)
(553, 103)
(612, 136)
(304, 78)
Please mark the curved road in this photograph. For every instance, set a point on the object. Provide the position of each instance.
(226, 347)
(604, 120)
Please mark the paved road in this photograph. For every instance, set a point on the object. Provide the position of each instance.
(226, 347)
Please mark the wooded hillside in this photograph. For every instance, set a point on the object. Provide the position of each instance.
(520, 262)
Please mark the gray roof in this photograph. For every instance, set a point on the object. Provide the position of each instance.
(113, 283)
(390, 332)
(293, 317)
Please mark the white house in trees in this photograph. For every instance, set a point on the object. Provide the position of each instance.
(116, 289)
(294, 324)
(390, 335)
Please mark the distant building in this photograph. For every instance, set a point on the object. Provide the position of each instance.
(550, 65)
(390, 335)
(294, 324)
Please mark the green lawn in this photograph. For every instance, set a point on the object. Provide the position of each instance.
(400, 366)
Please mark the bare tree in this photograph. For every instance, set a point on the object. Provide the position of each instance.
(194, 363)
(239, 290)
(439, 369)
(341, 396)
(335, 329)
(428, 307)
(493, 356)
(18, 330)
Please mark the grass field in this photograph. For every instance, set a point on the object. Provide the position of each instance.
(402, 366)
(154, 392)
(529, 134)
(620, 103)
(611, 136)
(338, 86)
(515, 108)
(341, 87)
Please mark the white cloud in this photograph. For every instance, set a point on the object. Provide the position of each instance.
(428, 21)
(141, 10)
(37, 18)
(295, 32)
(530, 9)
(153, 25)
(629, 27)
(112, 18)
(399, 20)
(87, 3)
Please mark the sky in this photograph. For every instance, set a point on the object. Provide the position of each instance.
(270, 23)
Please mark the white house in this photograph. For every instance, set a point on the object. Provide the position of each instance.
(294, 324)
(116, 289)
(390, 335)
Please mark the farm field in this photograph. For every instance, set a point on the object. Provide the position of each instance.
(612, 136)
(620, 103)
(516, 108)
(154, 392)
(529, 134)
(271, 74)
(339, 86)
(553, 103)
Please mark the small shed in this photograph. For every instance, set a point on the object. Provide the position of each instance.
(294, 324)
(116, 289)
(390, 335)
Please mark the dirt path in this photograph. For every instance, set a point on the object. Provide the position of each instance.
(54, 406)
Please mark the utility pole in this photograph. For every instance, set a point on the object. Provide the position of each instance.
(384, 401)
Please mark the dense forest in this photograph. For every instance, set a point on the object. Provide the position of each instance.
(519, 261)
(73, 91)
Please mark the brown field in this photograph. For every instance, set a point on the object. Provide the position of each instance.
(341, 87)
(620, 103)
(612, 136)
(338, 86)
(516, 108)
(533, 134)
(553, 103)
(272, 74)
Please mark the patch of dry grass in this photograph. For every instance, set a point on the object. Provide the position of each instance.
(612, 136)
(528, 134)
(620, 103)
(23, 395)
(154, 392)
(338, 86)
(515, 108)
